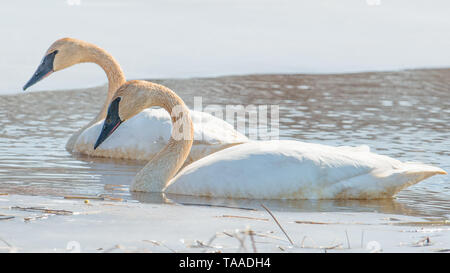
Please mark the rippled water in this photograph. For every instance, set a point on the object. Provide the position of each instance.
(403, 114)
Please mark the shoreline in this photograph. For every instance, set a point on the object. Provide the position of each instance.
(51, 224)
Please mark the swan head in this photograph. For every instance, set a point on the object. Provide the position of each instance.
(61, 54)
(133, 97)
(111, 123)
(129, 100)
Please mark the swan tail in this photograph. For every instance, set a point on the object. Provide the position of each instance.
(380, 184)
(422, 168)
(418, 172)
(413, 173)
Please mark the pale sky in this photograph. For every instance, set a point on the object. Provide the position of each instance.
(181, 38)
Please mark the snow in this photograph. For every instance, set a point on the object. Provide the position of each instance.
(107, 226)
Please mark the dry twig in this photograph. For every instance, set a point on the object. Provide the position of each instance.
(6, 217)
(159, 244)
(348, 241)
(243, 217)
(311, 223)
(276, 221)
(219, 206)
(84, 197)
(44, 210)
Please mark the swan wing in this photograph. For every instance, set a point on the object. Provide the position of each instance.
(145, 134)
(297, 170)
(211, 134)
(211, 130)
(141, 137)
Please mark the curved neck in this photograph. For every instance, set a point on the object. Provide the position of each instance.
(91, 53)
(155, 176)
(116, 77)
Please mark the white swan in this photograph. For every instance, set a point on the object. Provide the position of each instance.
(259, 170)
(146, 133)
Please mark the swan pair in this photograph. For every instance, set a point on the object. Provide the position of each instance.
(259, 169)
(144, 135)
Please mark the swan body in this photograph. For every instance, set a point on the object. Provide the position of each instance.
(276, 169)
(297, 170)
(142, 138)
(145, 134)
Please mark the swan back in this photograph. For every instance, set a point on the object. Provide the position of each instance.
(145, 134)
(297, 170)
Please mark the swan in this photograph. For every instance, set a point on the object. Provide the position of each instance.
(276, 169)
(149, 126)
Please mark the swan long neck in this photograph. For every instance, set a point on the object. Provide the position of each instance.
(116, 77)
(91, 53)
(156, 175)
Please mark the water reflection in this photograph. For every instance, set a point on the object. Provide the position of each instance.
(381, 205)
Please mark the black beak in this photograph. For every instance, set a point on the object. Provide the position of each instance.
(44, 69)
(112, 122)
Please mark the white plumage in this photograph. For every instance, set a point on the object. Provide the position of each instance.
(144, 135)
(297, 170)
(275, 169)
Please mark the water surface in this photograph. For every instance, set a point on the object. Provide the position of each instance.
(403, 114)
